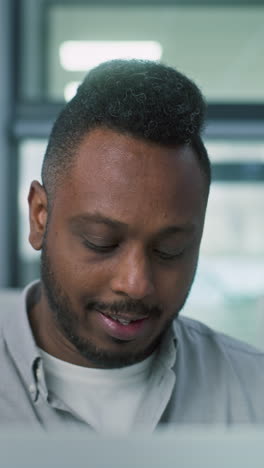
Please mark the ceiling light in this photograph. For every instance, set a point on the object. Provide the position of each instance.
(84, 55)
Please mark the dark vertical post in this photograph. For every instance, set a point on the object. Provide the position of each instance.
(6, 100)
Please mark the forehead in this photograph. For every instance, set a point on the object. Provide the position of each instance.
(123, 177)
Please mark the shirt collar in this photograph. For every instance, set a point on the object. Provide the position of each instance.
(168, 348)
(25, 353)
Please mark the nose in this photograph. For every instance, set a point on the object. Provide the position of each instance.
(133, 276)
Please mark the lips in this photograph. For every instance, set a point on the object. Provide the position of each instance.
(122, 318)
(122, 326)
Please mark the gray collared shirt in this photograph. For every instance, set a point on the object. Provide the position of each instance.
(201, 377)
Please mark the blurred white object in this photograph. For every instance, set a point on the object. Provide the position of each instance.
(84, 55)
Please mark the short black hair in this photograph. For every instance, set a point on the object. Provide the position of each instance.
(145, 99)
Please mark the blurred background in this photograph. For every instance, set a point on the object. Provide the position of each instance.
(47, 46)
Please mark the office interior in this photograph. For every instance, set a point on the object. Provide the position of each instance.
(47, 46)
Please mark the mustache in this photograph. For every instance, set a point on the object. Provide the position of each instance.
(138, 308)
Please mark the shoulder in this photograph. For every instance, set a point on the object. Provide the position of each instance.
(227, 375)
(10, 302)
(218, 353)
(11, 318)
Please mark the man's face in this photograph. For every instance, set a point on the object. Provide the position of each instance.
(120, 248)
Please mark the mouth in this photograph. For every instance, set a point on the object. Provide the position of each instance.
(123, 318)
(122, 326)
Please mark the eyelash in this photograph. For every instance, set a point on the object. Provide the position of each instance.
(99, 248)
(168, 257)
(109, 248)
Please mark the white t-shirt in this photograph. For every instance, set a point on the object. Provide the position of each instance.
(107, 399)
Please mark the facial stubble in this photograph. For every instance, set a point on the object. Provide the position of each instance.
(67, 321)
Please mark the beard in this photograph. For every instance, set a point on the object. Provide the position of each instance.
(67, 321)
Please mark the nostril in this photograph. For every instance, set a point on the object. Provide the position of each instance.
(133, 287)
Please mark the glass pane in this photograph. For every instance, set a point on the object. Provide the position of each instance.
(228, 296)
(221, 48)
(235, 151)
(228, 292)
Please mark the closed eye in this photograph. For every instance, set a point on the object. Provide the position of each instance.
(99, 247)
(168, 256)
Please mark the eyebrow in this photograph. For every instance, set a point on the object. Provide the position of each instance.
(97, 218)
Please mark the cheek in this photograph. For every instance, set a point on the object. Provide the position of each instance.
(72, 267)
(173, 286)
(79, 276)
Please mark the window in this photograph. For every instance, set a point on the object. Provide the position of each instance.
(220, 47)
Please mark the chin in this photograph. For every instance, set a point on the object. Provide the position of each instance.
(108, 359)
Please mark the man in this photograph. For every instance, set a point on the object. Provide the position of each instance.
(98, 342)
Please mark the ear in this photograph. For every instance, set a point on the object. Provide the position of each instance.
(38, 214)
